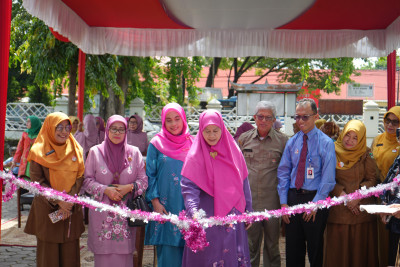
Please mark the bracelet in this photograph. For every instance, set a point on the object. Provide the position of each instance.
(132, 187)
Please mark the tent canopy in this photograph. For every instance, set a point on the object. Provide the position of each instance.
(226, 28)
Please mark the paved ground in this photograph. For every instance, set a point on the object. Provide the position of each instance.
(15, 256)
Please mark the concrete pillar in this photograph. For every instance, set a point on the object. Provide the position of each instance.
(137, 107)
(289, 126)
(61, 104)
(214, 104)
(371, 120)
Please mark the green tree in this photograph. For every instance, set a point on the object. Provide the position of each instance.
(181, 75)
(52, 63)
(380, 64)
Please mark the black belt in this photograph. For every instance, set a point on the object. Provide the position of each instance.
(302, 191)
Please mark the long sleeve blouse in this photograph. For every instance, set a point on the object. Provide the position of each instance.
(164, 183)
(108, 232)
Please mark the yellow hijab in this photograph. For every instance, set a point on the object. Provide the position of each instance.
(72, 119)
(385, 146)
(319, 123)
(65, 161)
(346, 158)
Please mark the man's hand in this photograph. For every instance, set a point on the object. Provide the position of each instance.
(308, 216)
(285, 218)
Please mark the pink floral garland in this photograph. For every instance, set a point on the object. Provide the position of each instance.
(9, 190)
(192, 229)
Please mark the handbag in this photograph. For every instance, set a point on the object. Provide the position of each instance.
(137, 203)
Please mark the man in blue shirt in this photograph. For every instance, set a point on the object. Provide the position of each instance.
(306, 173)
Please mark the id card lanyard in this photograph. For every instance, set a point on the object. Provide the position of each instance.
(310, 170)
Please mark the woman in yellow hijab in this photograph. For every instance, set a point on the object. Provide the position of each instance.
(385, 146)
(385, 150)
(352, 234)
(319, 123)
(57, 162)
(74, 122)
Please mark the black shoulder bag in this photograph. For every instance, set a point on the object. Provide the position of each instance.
(137, 203)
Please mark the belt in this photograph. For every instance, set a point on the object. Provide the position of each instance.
(302, 191)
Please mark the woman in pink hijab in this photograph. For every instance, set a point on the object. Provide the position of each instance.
(165, 156)
(215, 181)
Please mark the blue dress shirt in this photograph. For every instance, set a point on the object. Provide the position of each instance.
(320, 155)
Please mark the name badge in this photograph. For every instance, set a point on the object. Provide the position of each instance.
(310, 173)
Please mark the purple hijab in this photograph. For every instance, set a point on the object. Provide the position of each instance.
(101, 130)
(246, 126)
(115, 155)
(137, 137)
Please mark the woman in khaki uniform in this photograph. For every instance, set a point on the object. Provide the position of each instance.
(56, 162)
(352, 234)
(385, 150)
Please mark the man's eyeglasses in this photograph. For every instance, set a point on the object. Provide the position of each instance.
(267, 118)
(116, 130)
(388, 121)
(303, 117)
(67, 128)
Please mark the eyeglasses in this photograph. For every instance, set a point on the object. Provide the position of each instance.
(116, 130)
(304, 117)
(388, 121)
(132, 122)
(267, 118)
(60, 128)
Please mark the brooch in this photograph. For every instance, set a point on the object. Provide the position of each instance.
(213, 154)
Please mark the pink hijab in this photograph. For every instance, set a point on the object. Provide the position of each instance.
(115, 155)
(173, 146)
(221, 177)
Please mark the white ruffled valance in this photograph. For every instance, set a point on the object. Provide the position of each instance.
(214, 43)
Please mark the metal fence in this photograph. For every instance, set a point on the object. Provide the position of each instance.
(231, 120)
(17, 114)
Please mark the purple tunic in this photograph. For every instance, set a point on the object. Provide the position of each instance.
(228, 244)
(139, 140)
(109, 233)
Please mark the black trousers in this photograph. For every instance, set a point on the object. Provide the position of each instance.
(393, 247)
(300, 234)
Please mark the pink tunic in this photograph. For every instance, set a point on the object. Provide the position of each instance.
(108, 233)
(21, 155)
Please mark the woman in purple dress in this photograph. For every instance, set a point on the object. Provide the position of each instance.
(136, 136)
(101, 129)
(111, 170)
(89, 137)
(215, 181)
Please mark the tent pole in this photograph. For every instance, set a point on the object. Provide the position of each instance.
(5, 26)
(81, 83)
(391, 79)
